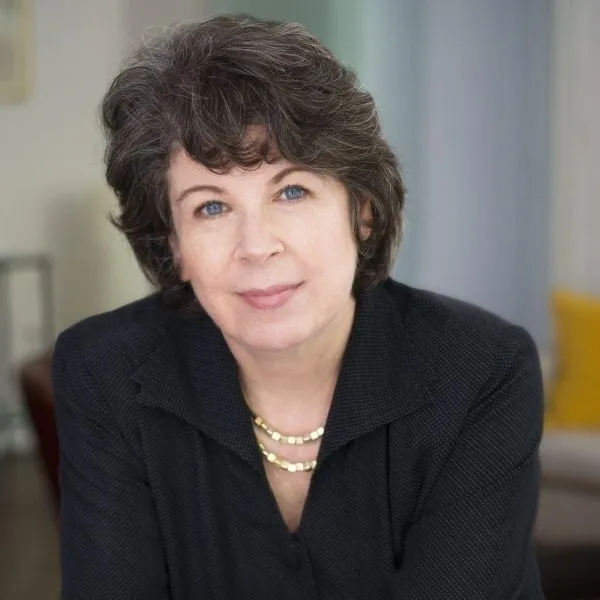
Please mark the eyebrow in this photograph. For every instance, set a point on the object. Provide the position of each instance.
(217, 190)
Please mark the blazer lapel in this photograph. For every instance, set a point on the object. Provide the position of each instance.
(381, 374)
(193, 375)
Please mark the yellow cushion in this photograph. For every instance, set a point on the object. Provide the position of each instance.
(574, 394)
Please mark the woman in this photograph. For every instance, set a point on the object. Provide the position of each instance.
(281, 419)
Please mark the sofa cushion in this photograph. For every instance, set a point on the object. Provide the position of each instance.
(574, 392)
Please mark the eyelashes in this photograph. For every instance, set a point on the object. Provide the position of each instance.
(294, 188)
(212, 209)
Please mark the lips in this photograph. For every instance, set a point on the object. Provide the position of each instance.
(269, 298)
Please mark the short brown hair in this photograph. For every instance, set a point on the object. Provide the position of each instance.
(198, 87)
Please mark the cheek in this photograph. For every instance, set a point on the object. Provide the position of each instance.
(201, 261)
(330, 239)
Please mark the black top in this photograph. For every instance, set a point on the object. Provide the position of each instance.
(426, 486)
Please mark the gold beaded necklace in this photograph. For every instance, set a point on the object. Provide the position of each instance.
(292, 467)
(282, 463)
(313, 436)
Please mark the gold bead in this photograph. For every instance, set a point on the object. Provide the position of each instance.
(287, 439)
(286, 465)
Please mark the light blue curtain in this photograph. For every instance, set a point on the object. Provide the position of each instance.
(464, 94)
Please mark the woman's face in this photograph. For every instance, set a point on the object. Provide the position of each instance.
(269, 252)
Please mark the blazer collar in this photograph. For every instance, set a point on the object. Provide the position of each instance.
(193, 375)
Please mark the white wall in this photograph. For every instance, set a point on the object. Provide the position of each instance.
(145, 15)
(52, 197)
(576, 145)
(50, 156)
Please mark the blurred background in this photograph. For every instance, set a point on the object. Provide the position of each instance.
(492, 107)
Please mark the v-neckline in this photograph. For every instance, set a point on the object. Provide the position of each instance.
(276, 511)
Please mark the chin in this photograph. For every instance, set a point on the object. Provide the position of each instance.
(274, 337)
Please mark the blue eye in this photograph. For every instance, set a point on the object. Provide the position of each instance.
(293, 192)
(213, 208)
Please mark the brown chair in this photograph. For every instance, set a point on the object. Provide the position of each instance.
(36, 385)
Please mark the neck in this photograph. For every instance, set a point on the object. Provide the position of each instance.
(299, 381)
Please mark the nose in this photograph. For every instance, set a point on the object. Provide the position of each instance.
(257, 239)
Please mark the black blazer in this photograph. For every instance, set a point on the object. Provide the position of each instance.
(426, 485)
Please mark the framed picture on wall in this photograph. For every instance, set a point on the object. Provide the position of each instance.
(16, 49)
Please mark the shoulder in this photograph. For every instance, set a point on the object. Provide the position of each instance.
(456, 338)
(95, 358)
(126, 334)
(477, 376)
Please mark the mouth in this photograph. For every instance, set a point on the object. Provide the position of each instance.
(269, 298)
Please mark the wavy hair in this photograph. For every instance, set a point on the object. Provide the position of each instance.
(199, 87)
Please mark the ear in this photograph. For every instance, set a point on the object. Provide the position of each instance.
(177, 260)
(365, 225)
